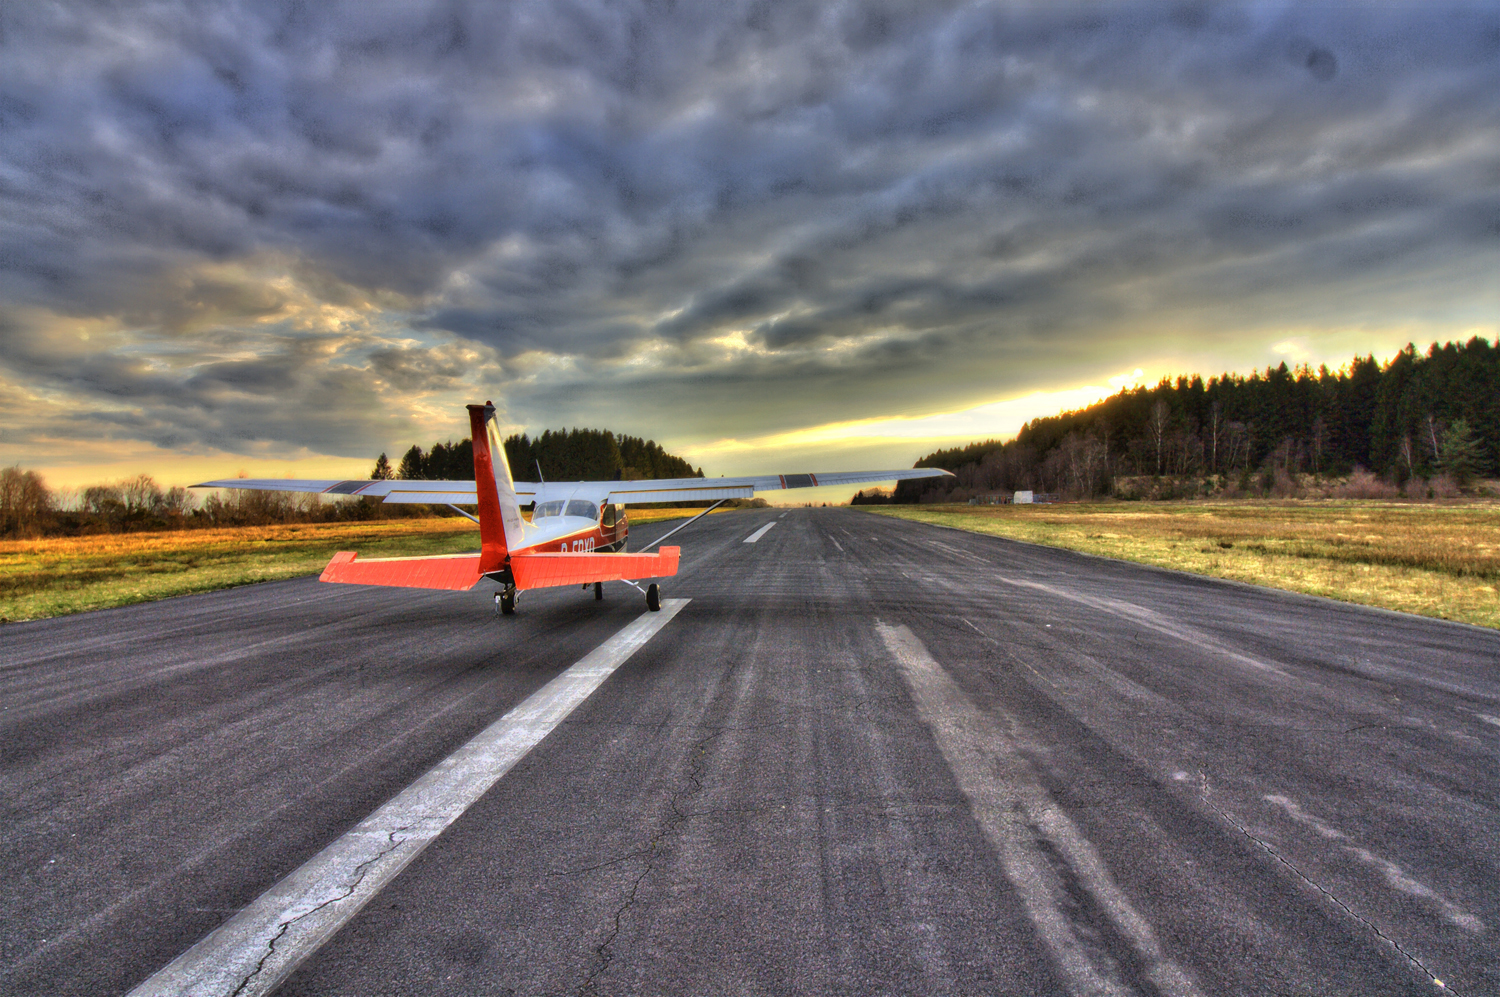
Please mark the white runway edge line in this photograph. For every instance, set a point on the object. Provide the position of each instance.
(258, 948)
(1012, 808)
(760, 532)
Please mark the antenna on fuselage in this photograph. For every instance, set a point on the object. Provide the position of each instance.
(539, 479)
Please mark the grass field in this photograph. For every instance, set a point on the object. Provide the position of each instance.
(1436, 560)
(50, 577)
(54, 576)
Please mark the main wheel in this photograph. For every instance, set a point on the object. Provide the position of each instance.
(506, 601)
(598, 591)
(653, 597)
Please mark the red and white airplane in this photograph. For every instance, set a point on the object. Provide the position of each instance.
(576, 536)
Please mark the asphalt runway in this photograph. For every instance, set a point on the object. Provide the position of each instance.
(866, 757)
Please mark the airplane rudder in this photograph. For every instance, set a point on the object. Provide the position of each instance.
(492, 532)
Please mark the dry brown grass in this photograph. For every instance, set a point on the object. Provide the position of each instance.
(1438, 560)
(50, 577)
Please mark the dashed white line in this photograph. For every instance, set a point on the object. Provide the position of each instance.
(760, 532)
(254, 951)
(837, 544)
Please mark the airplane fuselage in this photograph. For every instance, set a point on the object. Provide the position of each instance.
(604, 532)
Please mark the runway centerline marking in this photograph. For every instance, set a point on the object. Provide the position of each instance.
(760, 532)
(1014, 810)
(258, 948)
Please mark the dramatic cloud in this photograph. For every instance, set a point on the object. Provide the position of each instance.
(266, 229)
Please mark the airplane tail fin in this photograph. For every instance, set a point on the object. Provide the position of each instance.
(501, 527)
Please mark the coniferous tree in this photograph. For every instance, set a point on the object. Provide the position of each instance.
(411, 468)
(1461, 454)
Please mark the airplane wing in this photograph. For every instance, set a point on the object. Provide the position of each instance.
(691, 489)
(431, 492)
(618, 492)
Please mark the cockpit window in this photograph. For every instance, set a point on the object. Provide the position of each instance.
(545, 509)
(583, 509)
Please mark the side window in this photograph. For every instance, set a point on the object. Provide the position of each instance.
(583, 509)
(609, 514)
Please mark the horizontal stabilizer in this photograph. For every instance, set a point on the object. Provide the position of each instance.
(539, 570)
(453, 572)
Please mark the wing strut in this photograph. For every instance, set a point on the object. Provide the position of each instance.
(462, 513)
(690, 522)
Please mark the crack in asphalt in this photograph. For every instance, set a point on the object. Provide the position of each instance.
(1271, 851)
(604, 951)
(602, 865)
(285, 926)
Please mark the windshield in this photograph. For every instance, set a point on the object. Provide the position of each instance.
(545, 509)
(585, 509)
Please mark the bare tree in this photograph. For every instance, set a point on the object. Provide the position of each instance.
(1433, 431)
(1404, 454)
(1093, 464)
(1318, 444)
(1236, 445)
(141, 496)
(1281, 459)
(1156, 426)
(1215, 430)
(25, 501)
(1185, 453)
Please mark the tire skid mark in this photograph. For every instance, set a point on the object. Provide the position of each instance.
(1022, 823)
(1340, 904)
(1393, 874)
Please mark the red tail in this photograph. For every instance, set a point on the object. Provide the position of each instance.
(493, 550)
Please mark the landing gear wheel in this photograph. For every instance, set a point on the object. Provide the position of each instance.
(506, 601)
(653, 598)
(598, 591)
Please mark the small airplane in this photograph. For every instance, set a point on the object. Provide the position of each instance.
(576, 536)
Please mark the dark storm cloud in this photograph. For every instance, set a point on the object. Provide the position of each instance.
(944, 200)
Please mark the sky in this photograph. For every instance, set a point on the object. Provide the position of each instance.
(281, 238)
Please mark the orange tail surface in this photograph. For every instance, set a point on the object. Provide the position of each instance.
(455, 572)
(542, 569)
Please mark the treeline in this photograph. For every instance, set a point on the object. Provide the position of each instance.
(1424, 419)
(564, 455)
(28, 508)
